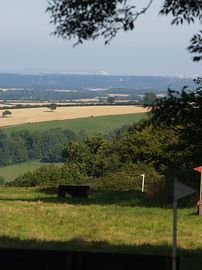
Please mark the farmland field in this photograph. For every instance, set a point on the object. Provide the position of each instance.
(9, 173)
(107, 221)
(101, 124)
(34, 115)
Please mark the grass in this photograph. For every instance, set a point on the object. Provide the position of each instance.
(107, 221)
(92, 125)
(12, 171)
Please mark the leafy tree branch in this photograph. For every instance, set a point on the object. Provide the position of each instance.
(90, 19)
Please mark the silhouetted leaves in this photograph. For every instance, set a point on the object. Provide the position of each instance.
(182, 10)
(196, 46)
(89, 19)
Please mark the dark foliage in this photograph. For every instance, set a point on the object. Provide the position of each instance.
(196, 46)
(183, 110)
(180, 107)
(52, 106)
(6, 113)
(188, 11)
(182, 10)
(149, 98)
(92, 18)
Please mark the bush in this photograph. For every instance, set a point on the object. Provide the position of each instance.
(52, 175)
(128, 177)
(72, 173)
(46, 175)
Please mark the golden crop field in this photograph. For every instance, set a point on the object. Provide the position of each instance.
(33, 115)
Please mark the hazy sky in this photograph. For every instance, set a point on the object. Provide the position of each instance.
(153, 48)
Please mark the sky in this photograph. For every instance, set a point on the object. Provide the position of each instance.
(154, 47)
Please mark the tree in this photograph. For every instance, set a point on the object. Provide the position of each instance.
(94, 155)
(149, 98)
(185, 104)
(52, 106)
(182, 109)
(6, 113)
(90, 19)
(110, 100)
(76, 152)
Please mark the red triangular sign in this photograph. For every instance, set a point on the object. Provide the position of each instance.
(198, 169)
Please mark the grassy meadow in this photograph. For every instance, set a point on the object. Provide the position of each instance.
(107, 221)
(114, 221)
(92, 125)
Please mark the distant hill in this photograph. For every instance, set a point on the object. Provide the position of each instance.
(83, 82)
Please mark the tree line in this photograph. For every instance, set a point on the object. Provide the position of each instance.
(21, 146)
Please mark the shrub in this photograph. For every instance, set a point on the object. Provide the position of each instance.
(52, 175)
(72, 173)
(128, 177)
(46, 175)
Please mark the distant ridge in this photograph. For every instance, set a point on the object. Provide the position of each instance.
(45, 81)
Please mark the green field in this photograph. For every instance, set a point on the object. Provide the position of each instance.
(107, 221)
(11, 172)
(92, 125)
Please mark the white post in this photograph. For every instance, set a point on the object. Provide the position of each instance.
(143, 177)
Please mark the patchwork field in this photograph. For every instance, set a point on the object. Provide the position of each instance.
(107, 221)
(33, 115)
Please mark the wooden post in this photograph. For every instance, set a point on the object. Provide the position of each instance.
(200, 198)
(199, 203)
